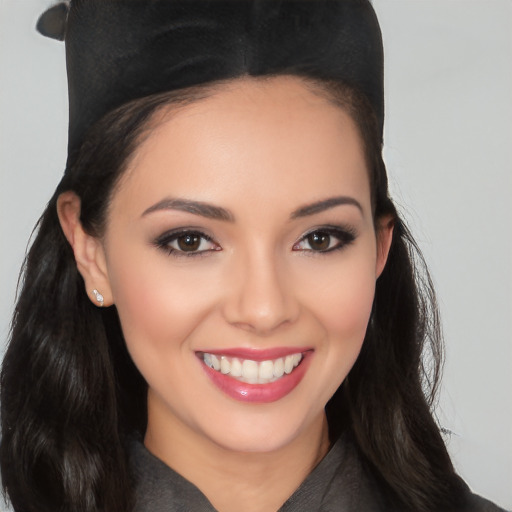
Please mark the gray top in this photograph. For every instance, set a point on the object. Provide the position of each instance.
(339, 483)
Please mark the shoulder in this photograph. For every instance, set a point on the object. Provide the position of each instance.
(354, 486)
(476, 503)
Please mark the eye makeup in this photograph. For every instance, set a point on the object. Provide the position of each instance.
(185, 242)
(190, 242)
(326, 239)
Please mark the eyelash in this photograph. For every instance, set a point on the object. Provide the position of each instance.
(345, 236)
(164, 242)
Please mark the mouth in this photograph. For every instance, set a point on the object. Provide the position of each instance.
(250, 371)
(256, 376)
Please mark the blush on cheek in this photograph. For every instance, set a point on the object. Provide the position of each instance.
(347, 308)
(152, 298)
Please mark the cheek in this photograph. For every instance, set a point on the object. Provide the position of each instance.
(345, 319)
(348, 307)
(159, 304)
(343, 296)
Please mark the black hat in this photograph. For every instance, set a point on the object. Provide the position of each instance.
(121, 50)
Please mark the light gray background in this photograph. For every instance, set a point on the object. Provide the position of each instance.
(448, 143)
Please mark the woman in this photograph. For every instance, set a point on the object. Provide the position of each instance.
(220, 284)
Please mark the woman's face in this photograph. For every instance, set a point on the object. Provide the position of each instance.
(242, 258)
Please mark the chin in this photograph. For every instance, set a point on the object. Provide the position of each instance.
(262, 433)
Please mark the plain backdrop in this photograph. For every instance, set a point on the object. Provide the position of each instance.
(448, 147)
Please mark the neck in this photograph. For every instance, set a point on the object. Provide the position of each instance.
(231, 480)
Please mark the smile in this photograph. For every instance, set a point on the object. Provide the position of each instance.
(261, 376)
(253, 372)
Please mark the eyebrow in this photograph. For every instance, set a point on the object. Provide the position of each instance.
(326, 204)
(218, 213)
(196, 207)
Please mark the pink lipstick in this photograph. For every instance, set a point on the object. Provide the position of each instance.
(257, 376)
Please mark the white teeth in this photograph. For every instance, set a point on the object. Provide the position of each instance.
(225, 365)
(279, 368)
(215, 363)
(266, 370)
(236, 368)
(250, 370)
(253, 372)
(288, 364)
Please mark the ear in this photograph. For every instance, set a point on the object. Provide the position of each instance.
(385, 226)
(88, 250)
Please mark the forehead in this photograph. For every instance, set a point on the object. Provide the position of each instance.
(277, 137)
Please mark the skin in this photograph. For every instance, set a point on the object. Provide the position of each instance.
(261, 150)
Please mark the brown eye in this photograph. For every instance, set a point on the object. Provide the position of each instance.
(319, 241)
(189, 242)
(326, 240)
(186, 243)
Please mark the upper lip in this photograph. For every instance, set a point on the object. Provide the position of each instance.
(255, 354)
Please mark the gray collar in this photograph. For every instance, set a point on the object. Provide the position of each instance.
(338, 483)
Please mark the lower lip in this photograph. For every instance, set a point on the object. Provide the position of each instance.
(259, 393)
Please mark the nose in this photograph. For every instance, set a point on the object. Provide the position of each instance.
(260, 295)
